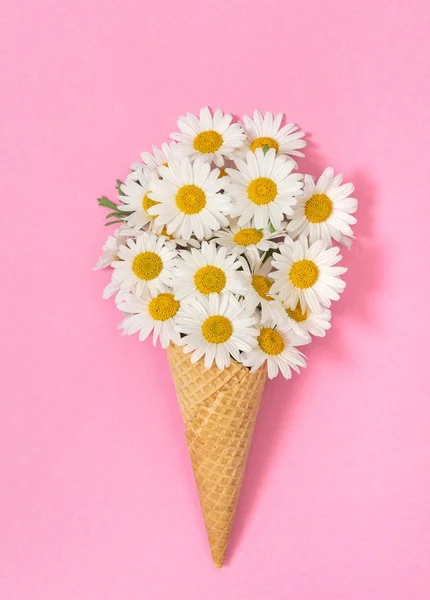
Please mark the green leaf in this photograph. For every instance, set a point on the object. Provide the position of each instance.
(272, 229)
(266, 148)
(268, 254)
(113, 223)
(103, 201)
(114, 214)
(118, 187)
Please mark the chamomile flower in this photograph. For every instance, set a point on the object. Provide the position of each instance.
(325, 210)
(258, 293)
(263, 189)
(217, 327)
(267, 131)
(213, 138)
(113, 286)
(305, 322)
(248, 239)
(156, 314)
(135, 199)
(307, 275)
(188, 199)
(145, 265)
(276, 345)
(207, 271)
(158, 157)
(110, 251)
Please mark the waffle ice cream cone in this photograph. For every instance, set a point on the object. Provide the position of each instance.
(219, 409)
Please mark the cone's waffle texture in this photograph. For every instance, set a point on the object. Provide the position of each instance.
(219, 409)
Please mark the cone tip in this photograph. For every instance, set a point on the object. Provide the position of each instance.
(218, 556)
(218, 563)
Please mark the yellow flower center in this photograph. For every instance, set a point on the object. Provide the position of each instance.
(296, 314)
(247, 237)
(147, 203)
(165, 164)
(209, 280)
(318, 208)
(163, 307)
(190, 199)
(208, 142)
(217, 329)
(271, 341)
(222, 173)
(262, 286)
(147, 265)
(262, 190)
(264, 141)
(304, 274)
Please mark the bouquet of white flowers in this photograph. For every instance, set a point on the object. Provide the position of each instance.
(226, 254)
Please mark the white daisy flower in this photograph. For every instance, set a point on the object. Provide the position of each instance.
(110, 250)
(267, 131)
(207, 271)
(217, 327)
(276, 345)
(156, 314)
(324, 210)
(135, 199)
(263, 189)
(158, 157)
(213, 138)
(238, 240)
(113, 286)
(305, 322)
(258, 293)
(307, 274)
(145, 265)
(189, 202)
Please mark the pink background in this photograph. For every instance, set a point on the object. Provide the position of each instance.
(97, 498)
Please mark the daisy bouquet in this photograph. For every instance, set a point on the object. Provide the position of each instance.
(228, 257)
